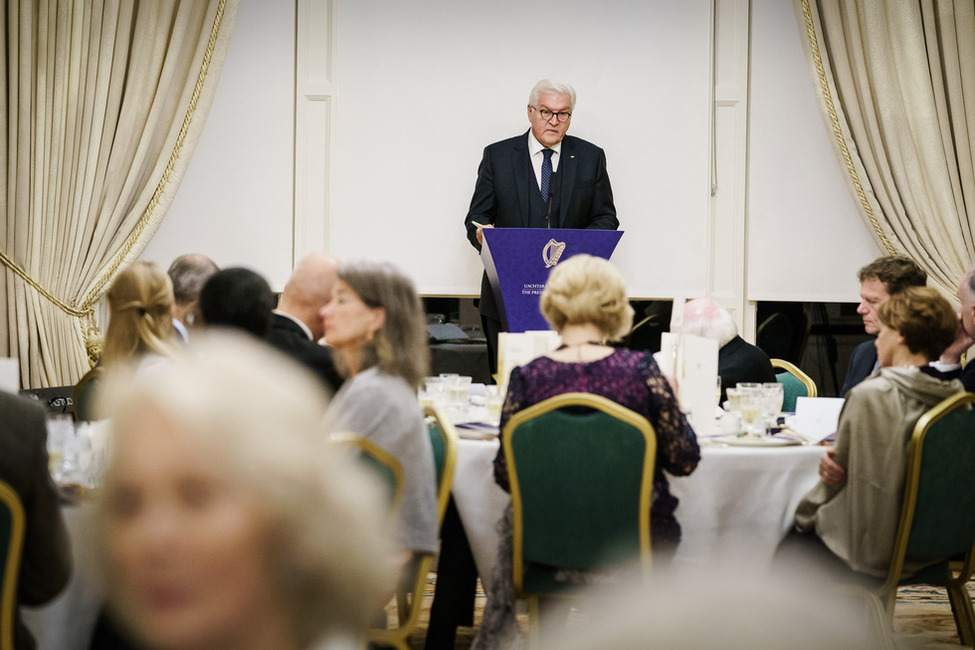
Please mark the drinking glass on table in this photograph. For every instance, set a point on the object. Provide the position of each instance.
(773, 397)
(495, 400)
(751, 402)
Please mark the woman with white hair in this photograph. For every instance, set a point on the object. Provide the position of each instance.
(228, 521)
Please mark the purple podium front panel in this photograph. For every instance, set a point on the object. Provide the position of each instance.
(518, 261)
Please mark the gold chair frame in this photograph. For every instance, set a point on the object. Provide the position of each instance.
(646, 487)
(957, 594)
(8, 596)
(409, 612)
(381, 456)
(794, 370)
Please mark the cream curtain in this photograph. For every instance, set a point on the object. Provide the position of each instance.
(103, 103)
(897, 80)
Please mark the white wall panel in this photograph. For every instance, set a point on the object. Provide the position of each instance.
(806, 238)
(421, 87)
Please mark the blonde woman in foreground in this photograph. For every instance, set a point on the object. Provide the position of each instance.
(227, 521)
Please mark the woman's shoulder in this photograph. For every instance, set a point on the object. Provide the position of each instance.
(377, 387)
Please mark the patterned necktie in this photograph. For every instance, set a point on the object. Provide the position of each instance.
(546, 171)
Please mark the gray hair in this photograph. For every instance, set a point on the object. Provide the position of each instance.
(970, 282)
(706, 318)
(549, 86)
(189, 273)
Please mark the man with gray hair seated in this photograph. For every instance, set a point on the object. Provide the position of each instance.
(738, 360)
(189, 273)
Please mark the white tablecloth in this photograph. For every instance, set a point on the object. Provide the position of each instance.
(66, 623)
(480, 502)
(739, 500)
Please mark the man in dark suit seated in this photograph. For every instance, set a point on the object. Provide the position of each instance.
(540, 179)
(46, 561)
(297, 328)
(738, 360)
(879, 280)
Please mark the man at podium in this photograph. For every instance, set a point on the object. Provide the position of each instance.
(540, 179)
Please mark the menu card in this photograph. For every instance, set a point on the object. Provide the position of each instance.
(693, 361)
(816, 417)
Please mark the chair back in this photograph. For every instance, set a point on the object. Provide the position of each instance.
(939, 489)
(11, 547)
(936, 522)
(581, 473)
(795, 383)
(413, 579)
(444, 440)
(379, 463)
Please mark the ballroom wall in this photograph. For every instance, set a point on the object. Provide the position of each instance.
(356, 127)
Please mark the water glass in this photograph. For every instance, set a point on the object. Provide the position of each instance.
(752, 401)
(773, 397)
(495, 400)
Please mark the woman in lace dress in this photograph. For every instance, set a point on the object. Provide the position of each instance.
(585, 302)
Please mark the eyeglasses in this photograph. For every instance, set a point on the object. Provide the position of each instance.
(546, 114)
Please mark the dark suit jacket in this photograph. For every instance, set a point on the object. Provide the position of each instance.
(505, 180)
(288, 337)
(46, 561)
(862, 363)
(739, 360)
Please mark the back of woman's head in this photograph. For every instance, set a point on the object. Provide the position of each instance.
(238, 298)
(141, 314)
(258, 418)
(923, 317)
(587, 290)
(400, 347)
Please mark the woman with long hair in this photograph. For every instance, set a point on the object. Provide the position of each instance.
(140, 329)
(376, 326)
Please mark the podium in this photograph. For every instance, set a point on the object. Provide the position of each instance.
(518, 260)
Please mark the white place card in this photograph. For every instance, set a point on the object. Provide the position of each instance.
(816, 417)
(9, 375)
(693, 361)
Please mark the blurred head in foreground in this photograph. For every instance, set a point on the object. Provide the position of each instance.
(731, 607)
(586, 290)
(227, 520)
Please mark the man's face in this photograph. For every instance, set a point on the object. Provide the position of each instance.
(873, 293)
(967, 313)
(549, 132)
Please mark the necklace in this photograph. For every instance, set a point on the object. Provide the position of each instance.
(566, 346)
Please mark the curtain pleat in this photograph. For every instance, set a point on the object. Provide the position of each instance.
(897, 83)
(104, 101)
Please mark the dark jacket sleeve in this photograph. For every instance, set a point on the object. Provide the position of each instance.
(46, 561)
(603, 208)
(484, 202)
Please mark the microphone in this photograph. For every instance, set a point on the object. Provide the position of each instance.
(551, 193)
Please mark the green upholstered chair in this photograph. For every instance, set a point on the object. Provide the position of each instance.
(937, 521)
(11, 547)
(581, 473)
(795, 383)
(409, 592)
